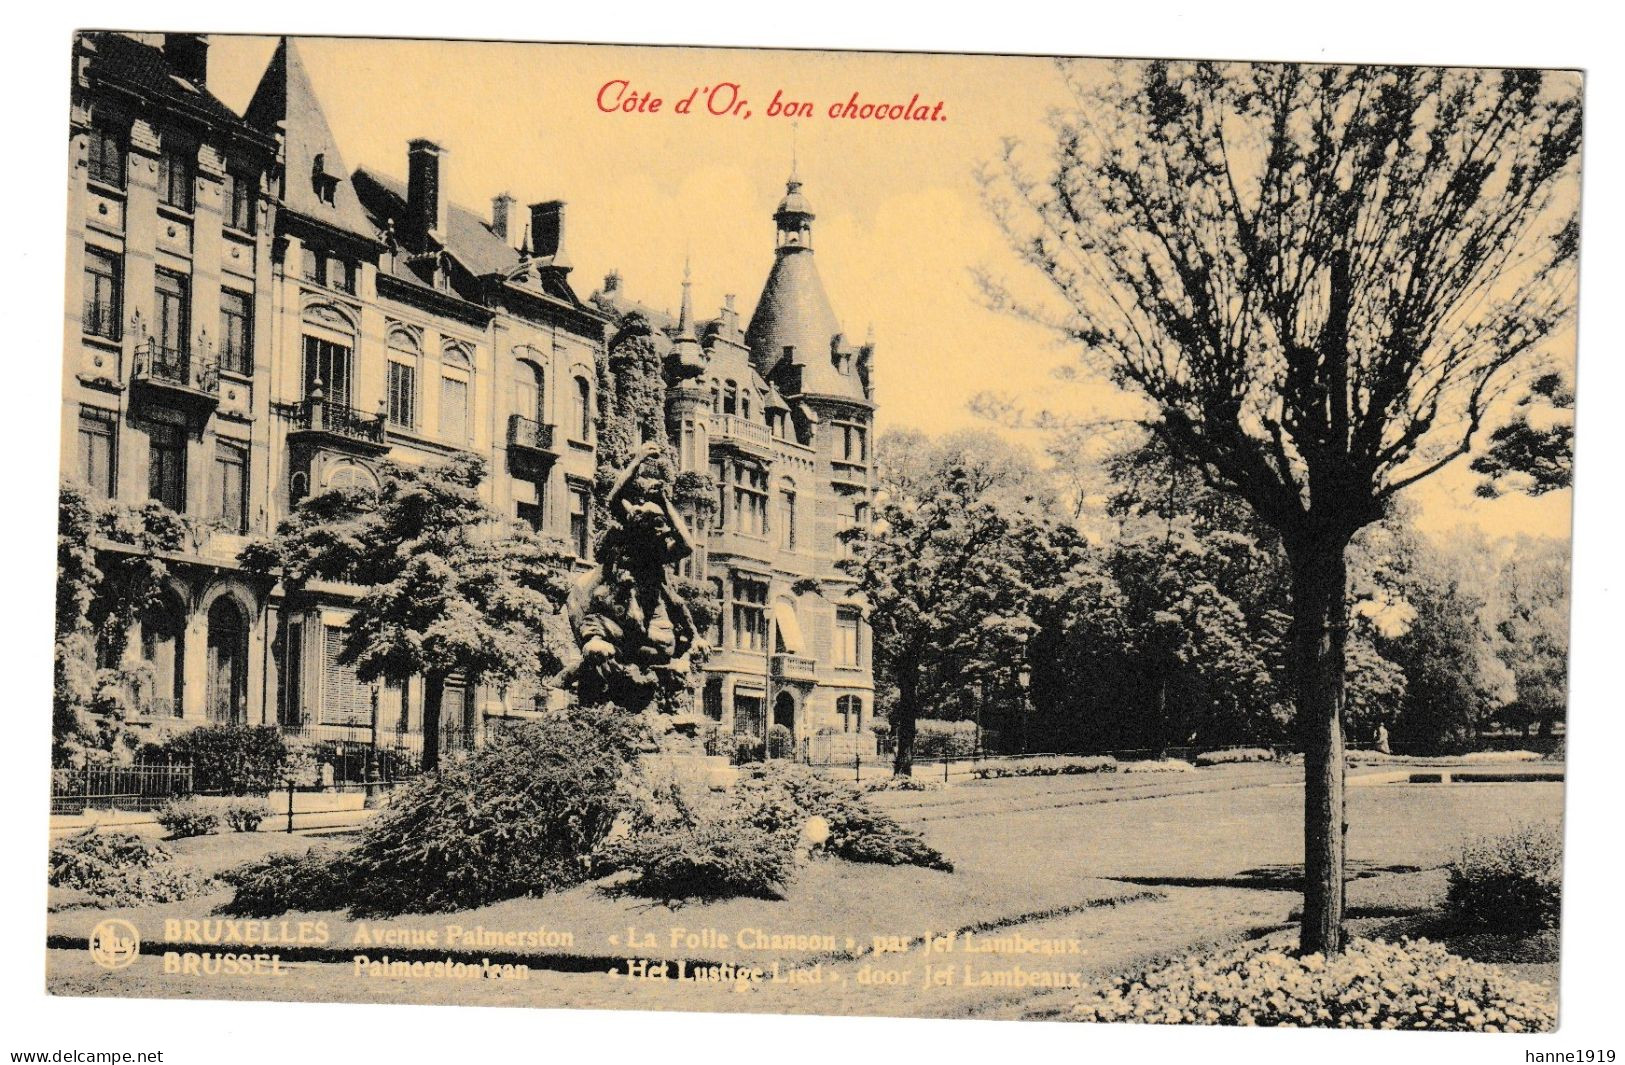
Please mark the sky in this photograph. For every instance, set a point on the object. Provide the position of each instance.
(900, 222)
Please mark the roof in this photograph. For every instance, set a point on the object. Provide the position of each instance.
(794, 312)
(127, 62)
(285, 102)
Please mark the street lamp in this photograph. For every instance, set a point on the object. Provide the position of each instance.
(1024, 677)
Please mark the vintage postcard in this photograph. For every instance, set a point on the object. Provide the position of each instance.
(800, 532)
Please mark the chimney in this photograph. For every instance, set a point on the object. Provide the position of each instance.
(425, 200)
(612, 282)
(501, 209)
(188, 54)
(547, 231)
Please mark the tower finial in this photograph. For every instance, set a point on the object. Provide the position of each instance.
(685, 317)
(793, 128)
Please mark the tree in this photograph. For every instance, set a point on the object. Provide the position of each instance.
(1319, 279)
(1534, 452)
(109, 572)
(449, 587)
(1534, 631)
(950, 575)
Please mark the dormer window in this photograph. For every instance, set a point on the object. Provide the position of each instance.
(325, 185)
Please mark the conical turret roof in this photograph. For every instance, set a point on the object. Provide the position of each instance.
(794, 327)
(285, 104)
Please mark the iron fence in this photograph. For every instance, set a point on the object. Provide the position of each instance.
(130, 787)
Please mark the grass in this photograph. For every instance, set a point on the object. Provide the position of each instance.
(1146, 866)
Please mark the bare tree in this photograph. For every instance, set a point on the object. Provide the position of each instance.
(1321, 279)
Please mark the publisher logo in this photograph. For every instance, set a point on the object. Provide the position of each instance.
(114, 944)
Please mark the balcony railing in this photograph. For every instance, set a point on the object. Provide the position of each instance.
(176, 368)
(732, 429)
(530, 434)
(794, 667)
(318, 415)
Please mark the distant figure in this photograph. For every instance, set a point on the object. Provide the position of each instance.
(1382, 739)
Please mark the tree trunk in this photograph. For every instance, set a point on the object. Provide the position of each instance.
(1319, 635)
(434, 690)
(904, 714)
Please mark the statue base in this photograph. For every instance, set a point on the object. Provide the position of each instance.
(680, 757)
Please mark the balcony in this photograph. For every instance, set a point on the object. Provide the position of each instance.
(338, 426)
(175, 378)
(795, 668)
(530, 445)
(730, 430)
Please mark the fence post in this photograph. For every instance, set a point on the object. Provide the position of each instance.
(857, 765)
(290, 806)
(945, 767)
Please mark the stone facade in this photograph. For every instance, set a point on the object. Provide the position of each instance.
(249, 321)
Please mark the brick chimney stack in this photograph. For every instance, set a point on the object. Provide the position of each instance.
(188, 53)
(425, 198)
(501, 212)
(547, 231)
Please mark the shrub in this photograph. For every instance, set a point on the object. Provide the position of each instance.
(707, 850)
(748, 749)
(880, 726)
(1370, 985)
(1051, 766)
(245, 815)
(784, 795)
(1240, 754)
(318, 879)
(520, 816)
(123, 869)
(236, 759)
(1166, 765)
(934, 739)
(780, 742)
(189, 817)
(1509, 883)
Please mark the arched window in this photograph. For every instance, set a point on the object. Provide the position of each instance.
(787, 514)
(456, 373)
(582, 429)
(227, 663)
(530, 391)
(716, 397)
(404, 356)
(730, 398)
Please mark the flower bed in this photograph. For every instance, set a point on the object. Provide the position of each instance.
(1165, 765)
(1372, 984)
(1056, 766)
(1234, 755)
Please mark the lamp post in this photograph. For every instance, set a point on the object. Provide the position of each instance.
(1024, 678)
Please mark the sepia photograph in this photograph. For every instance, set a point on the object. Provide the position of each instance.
(841, 533)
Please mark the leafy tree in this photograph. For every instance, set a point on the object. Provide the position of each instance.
(448, 586)
(1534, 452)
(109, 572)
(951, 578)
(1534, 631)
(1319, 279)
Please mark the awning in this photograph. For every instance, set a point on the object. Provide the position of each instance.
(784, 615)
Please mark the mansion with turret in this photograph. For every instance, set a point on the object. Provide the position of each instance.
(249, 321)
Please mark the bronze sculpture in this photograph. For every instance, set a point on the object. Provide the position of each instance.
(634, 631)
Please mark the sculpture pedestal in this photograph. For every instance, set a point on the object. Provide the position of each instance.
(680, 758)
(689, 771)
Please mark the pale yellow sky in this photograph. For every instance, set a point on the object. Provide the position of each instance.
(900, 223)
